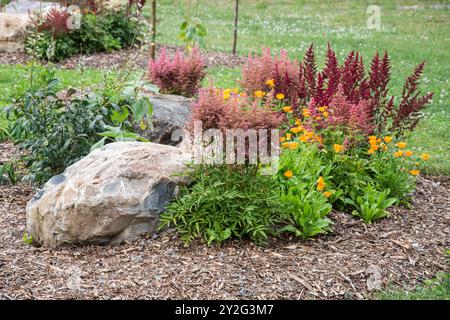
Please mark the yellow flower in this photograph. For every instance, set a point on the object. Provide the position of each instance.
(243, 94)
(285, 145)
(325, 114)
(318, 118)
(414, 172)
(306, 113)
(401, 145)
(425, 156)
(259, 94)
(288, 174)
(288, 136)
(236, 90)
(338, 148)
(408, 153)
(296, 129)
(282, 139)
(327, 194)
(398, 154)
(298, 122)
(270, 83)
(280, 96)
(323, 108)
(287, 109)
(226, 94)
(372, 138)
(387, 139)
(371, 151)
(304, 138)
(320, 184)
(293, 145)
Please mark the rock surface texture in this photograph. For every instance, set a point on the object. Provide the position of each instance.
(170, 113)
(114, 194)
(13, 28)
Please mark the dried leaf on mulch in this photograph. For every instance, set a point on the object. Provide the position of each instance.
(403, 250)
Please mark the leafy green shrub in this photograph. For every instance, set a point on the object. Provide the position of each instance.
(58, 130)
(223, 202)
(106, 32)
(371, 205)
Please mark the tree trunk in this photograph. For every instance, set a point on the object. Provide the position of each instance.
(236, 11)
(153, 44)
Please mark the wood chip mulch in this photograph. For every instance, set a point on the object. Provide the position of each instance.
(104, 60)
(351, 262)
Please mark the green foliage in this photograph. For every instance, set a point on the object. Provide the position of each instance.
(192, 33)
(97, 33)
(303, 206)
(371, 205)
(27, 239)
(223, 202)
(57, 130)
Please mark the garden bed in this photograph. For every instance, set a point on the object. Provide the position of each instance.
(105, 60)
(407, 248)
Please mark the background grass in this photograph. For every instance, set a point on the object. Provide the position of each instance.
(410, 36)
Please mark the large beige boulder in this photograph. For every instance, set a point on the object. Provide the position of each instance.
(12, 31)
(114, 194)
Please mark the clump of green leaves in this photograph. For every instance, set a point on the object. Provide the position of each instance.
(371, 205)
(224, 201)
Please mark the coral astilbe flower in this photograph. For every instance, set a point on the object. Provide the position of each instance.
(320, 184)
(180, 75)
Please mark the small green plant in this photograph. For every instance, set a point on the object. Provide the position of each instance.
(192, 33)
(224, 201)
(27, 239)
(371, 205)
(7, 169)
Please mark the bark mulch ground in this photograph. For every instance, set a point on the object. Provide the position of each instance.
(401, 251)
(104, 60)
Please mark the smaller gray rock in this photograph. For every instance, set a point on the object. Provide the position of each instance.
(170, 113)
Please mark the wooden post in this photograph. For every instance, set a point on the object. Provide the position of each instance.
(236, 11)
(153, 44)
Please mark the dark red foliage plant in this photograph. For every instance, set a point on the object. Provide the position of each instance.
(55, 22)
(359, 98)
(181, 75)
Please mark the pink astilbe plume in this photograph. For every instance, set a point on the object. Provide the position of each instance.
(181, 75)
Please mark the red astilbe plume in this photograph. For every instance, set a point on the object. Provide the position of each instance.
(180, 75)
(406, 115)
(55, 22)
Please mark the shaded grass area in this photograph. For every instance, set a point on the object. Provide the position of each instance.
(434, 289)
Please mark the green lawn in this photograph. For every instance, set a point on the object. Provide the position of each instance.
(410, 36)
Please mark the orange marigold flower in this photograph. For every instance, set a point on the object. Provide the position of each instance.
(372, 138)
(298, 122)
(287, 109)
(309, 134)
(282, 139)
(285, 145)
(270, 83)
(387, 139)
(371, 151)
(280, 96)
(325, 114)
(320, 184)
(414, 172)
(259, 94)
(401, 145)
(306, 113)
(318, 118)
(398, 154)
(293, 145)
(288, 174)
(288, 136)
(327, 194)
(304, 138)
(425, 156)
(408, 153)
(338, 148)
(323, 108)
(296, 129)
